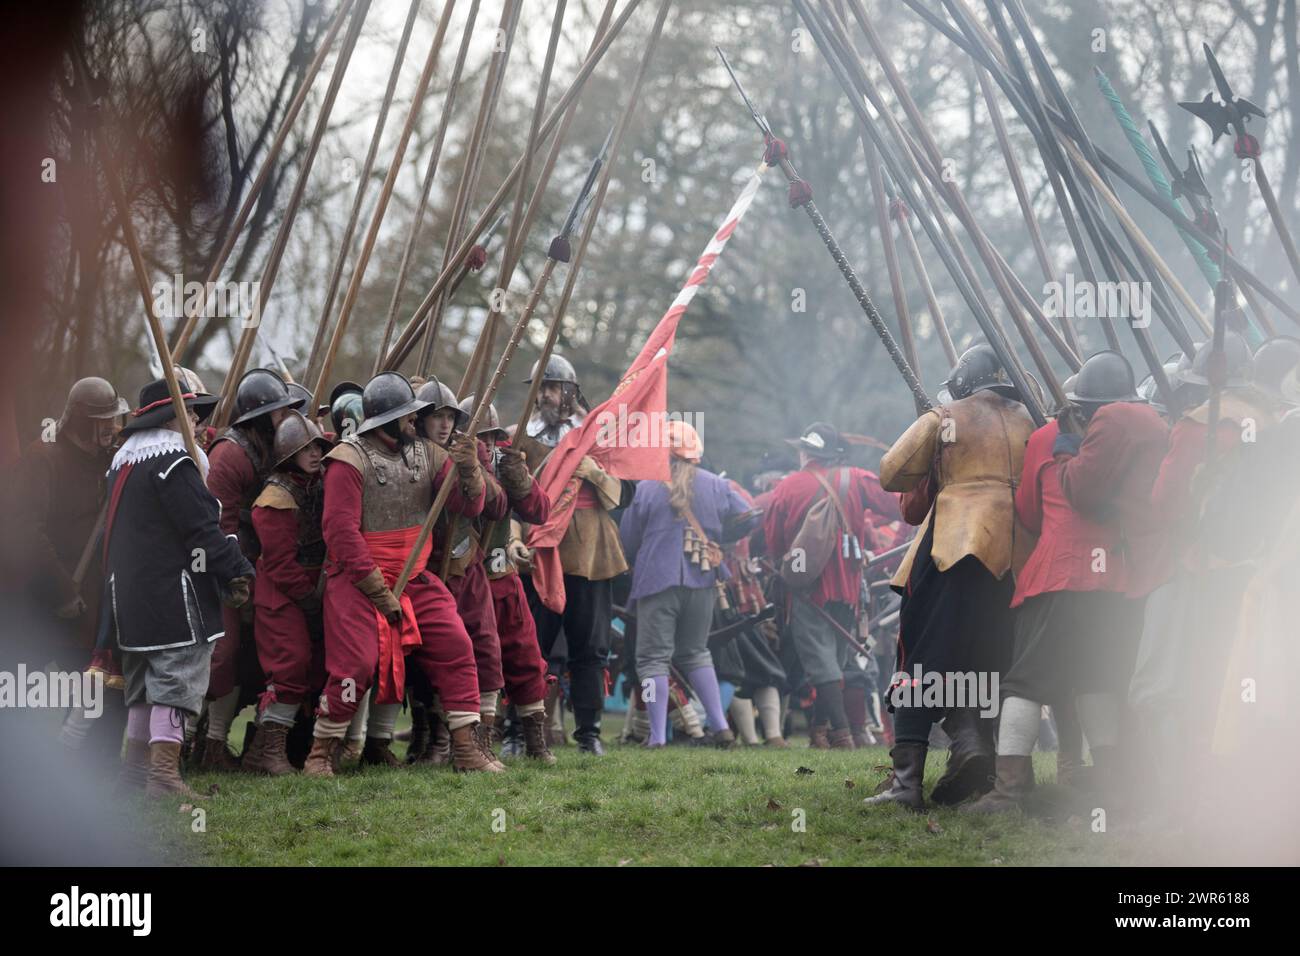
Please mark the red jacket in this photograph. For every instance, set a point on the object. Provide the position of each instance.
(791, 500)
(1063, 559)
(1109, 482)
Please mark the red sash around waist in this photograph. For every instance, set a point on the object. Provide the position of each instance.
(390, 550)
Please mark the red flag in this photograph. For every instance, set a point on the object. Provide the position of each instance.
(625, 434)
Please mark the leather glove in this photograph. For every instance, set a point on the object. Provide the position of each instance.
(73, 609)
(513, 469)
(373, 587)
(464, 452)
(236, 593)
(519, 553)
(1066, 444)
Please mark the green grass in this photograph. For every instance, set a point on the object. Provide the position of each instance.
(672, 807)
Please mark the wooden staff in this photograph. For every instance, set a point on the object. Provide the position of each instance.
(363, 182)
(109, 166)
(898, 292)
(485, 400)
(448, 107)
(245, 210)
(951, 191)
(272, 268)
(473, 167)
(903, 215)
(402, 346)
(385, 194)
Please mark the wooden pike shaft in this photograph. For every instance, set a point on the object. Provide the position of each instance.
(430, 172)
(473, 167)
(246, 209)
(402, 347)
(923, 277)
(1275, 213)
(272, 268)
(385, 194)
(953, 193)
(589, 226)
(114, 180)
(363, 182)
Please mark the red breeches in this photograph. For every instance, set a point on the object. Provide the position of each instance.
(522, 665)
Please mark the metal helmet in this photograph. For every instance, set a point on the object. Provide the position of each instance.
(979, 369)
(344, 409)
(93, 398)
(301, 392)
(1240, 365)
(387, 397)
(1273, 360)
(489, 422)
(343, 388)
(189, 381)
(1105, 376)
(558, 369)
(438, 396)
(260, 392)
(293, 434)
(1149, 393)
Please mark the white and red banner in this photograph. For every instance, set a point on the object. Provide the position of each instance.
(643, 389)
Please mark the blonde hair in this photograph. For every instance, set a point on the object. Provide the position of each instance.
(681, 485)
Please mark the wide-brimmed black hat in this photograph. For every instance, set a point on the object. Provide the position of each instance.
(821, 440)
(156, 410)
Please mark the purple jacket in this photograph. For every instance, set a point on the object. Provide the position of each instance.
(654, 537)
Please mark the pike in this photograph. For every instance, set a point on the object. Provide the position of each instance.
(272, 267)
(557, 252)
(953, 195)
(109, 165)
(1190, 184)
(801, 196)
(255, 191)
(982, 50)
(430, 171)
(381, 207)
(940, 234)
(1155, 269)
(405, 340)
(898, 211)
(1234, 113)
(363, 182)
(473, 168)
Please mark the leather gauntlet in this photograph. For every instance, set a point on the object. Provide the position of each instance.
(513, 472)
(373, 587)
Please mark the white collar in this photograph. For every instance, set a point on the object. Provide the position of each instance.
(151, 443)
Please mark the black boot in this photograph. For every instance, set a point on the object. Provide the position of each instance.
(904, 784)
(588, 733)
(970, 767)
(1015, 781)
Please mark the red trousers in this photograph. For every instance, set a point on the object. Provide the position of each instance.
(232, 666)
(292, 661)
(474, 604)
(444, 654)
(522, 665)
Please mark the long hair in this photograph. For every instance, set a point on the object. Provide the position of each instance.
(681, 485)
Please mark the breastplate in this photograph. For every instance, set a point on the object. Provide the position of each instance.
(398, 489)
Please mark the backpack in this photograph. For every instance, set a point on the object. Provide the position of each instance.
(825, 529)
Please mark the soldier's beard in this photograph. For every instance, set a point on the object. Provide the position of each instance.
(553, 415)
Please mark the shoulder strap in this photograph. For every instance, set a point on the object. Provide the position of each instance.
(834, 499)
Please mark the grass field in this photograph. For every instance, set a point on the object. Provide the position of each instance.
(676, 806)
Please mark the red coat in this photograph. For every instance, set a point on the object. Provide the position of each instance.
(1109, 482)
(791, 500)
(1064, 556)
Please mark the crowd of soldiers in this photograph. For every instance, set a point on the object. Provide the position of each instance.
(1098, 565)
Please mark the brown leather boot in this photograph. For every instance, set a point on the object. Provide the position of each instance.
(348, 754)
(818, 737)
(135, 766)
(841, 739)
(535, 738)
(438, 753)
(378, 752)
(555, 736)
(904, 783)
(268, 753)
(467, 754)
(217, 758)
(321, 760)
(484, 734)
(777, 743)
(1015, 781)
(165, 772)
